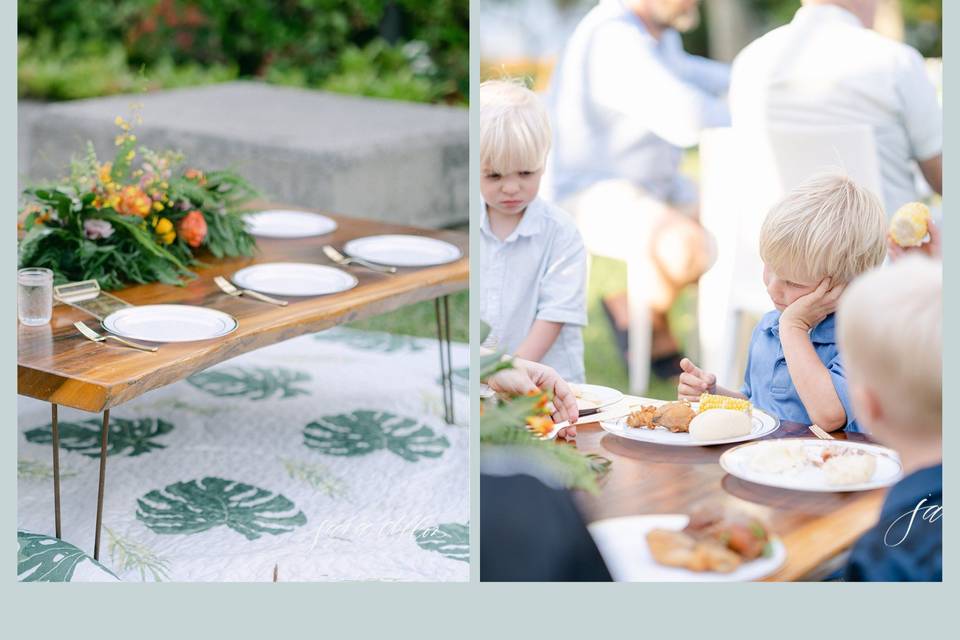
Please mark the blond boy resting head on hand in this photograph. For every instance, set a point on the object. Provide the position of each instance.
(818, 238)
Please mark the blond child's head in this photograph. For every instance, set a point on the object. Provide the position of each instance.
(827, 227)
(514, 142)
(890, 334)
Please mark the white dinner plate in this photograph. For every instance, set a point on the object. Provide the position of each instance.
(737, 462)
(169, 323)
(402, 251)
(763, 424)
(623, 544)
(294, 279)
(284, 223)
(593, 396)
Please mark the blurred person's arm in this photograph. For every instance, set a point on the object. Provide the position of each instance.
(542, 335)
(922, 117)
(627, 78)
(932, 170)
(712, 76)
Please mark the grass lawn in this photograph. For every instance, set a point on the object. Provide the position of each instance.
(420, 319)
(603, 364)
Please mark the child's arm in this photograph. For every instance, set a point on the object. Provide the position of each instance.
(542, 335)
(811, 378)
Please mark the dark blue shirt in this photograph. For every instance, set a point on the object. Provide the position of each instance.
(767, 381)
(907, 543)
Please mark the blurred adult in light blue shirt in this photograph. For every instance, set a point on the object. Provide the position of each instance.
(625, 100)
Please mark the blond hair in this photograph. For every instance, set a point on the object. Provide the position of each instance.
(514, 128)
(889, 326)
(828, 226)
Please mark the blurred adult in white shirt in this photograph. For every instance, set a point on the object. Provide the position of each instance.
(625, 99)
(827, 67)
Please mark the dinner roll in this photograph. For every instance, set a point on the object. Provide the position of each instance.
(720, 424)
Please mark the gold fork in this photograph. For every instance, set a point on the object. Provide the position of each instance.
(820, 433)
(96, 337)
(343, 260)
(228, 288)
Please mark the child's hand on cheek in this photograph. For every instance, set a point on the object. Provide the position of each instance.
(808, 311)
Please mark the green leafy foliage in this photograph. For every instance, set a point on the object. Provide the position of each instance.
(134, 437)
(200, 505)
(257, 383)
(362, 432)
(451, 540)
(129, 555)
(403, 49)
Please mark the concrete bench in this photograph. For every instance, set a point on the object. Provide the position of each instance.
(387, 160)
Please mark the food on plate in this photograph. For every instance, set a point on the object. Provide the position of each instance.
(847, 466)
(710, 401)
(675, 416)
(642, 418)
(908, 227)
(720, 424)
(840, 465)
(715, 539)
(779, 457)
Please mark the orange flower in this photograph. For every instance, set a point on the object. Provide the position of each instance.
(541, 425)
(134, 202)
(193, 228)
(195, 174)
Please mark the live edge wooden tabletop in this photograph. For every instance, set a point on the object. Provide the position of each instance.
(57, 364)
(648, 478)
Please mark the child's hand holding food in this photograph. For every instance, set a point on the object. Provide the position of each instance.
(694, 382)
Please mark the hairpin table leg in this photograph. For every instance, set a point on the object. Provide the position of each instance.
(442, 309)
(55, 429)
(103, 471)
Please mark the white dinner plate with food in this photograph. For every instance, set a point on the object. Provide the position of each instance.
(761, 424)
(286, 223)
(402, 250)
(623, 544)
(594, 396)
(169, 323)
(800, 464)
(294, 279)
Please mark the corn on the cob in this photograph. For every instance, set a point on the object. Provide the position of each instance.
(710, 401)
(909, 224)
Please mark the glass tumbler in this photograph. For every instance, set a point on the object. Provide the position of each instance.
(34, 296)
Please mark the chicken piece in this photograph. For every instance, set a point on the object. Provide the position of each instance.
(675, 416)
(712, 556)
(671, 548)
(642, 418)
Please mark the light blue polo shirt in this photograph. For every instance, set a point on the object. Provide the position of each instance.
(767, 382)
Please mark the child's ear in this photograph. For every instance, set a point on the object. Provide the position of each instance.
(866, 402)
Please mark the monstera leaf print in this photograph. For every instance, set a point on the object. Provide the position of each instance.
(460, 378)
(363, 432)
(371, 340)
(199, 505)
(256, 383)
(137, 436)
(451, 540)
(41, 558)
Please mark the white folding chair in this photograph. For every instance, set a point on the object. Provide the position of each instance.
(743, 173)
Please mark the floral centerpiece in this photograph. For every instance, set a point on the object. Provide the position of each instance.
(142, 217)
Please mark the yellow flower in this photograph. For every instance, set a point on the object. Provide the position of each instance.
(164, 229)
(118, 121)
(104, 173)
(130, 155)
(158, 206)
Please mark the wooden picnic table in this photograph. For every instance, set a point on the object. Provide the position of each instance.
(55, 363)
(645, 478)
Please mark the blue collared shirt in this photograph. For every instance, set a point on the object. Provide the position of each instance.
(767, 381)
(904, 547)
